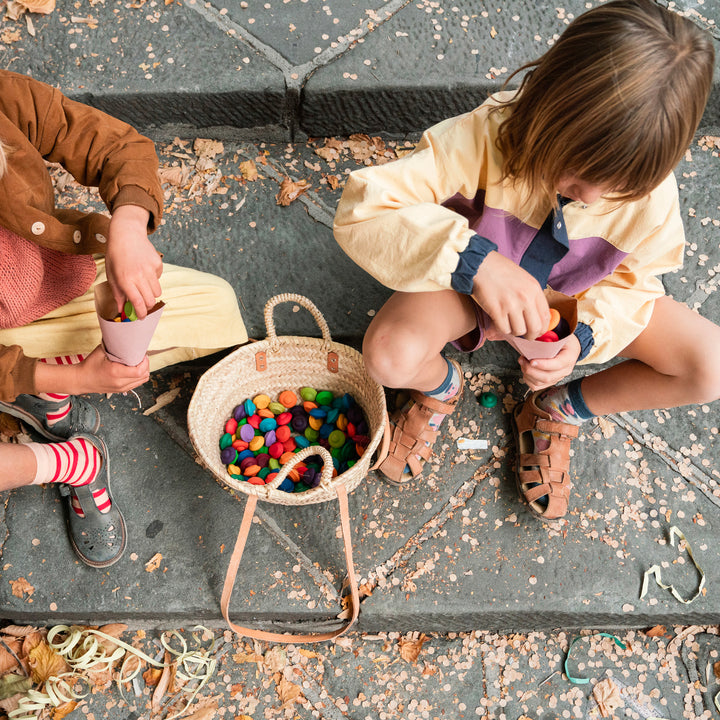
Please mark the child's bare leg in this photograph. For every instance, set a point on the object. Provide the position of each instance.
(18, 464)
(673, 362)
(403, 343)
(402, 349)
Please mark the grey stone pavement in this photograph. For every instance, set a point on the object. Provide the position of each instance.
(455, 555)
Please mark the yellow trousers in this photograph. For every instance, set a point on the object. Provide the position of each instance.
(201, 316)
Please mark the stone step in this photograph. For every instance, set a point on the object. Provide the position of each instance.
(287, 71)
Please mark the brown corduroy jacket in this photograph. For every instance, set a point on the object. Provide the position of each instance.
(38, 123)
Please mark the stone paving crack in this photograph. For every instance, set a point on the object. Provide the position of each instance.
(400, 558)
(703, 288)
(317, 209)
(674, 459)
(318, 696)
(295, 75)
(293, 549)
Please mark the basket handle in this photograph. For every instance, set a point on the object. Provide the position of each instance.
(326, 476)
(384, 448)
(235, 564)
(300, 300)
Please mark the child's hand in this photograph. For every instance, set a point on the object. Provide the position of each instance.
(511, 297)
(544, 372)
(132, 264)
(95, 374)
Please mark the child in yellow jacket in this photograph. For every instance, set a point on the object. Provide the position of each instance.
(52, 259)
(568, 184)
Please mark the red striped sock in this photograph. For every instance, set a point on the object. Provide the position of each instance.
(63, 360)
(75, 462)
(61, 412)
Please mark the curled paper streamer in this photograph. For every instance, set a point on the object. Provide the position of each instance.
(124, 342)
(656, 573)
(585, 681)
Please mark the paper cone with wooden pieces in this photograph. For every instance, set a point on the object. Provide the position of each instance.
(270, 367)
(124, 342)
(534, 349)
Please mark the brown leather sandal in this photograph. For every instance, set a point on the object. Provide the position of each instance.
(543, 477)
(412, 437)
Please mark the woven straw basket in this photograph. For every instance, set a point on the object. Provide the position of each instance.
(270, 366)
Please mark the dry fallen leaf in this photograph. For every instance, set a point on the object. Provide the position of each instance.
(113, 629)
(208, 148)
(9, 425)
(15, 8)
(11, 685)
(607, 696)
(206, 713)
(31, 641)
(21, 587)
(178, 176)
(62, 710)
(243, 657)
(362, 147)
(607, 427)
(7, 660)
(657, 631)
(290, 191)
(288, 692)
(153, 563)
(275, 659)
(248, 170)
(331, 151)
(152, 676)
(308, 653)
(20, 630)
(45, 663)
(410, 648)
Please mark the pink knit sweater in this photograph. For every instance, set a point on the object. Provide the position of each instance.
(35, 280)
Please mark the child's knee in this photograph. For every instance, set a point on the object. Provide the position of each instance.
(392, 356)
(703, 372)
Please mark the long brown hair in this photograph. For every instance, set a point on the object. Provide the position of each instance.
(616, 102)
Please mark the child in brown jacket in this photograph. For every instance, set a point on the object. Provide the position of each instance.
(52, 258)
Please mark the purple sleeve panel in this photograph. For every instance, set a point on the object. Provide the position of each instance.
(585, 262)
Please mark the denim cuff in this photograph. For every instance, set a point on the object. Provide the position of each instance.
(584, 334)
(469, 262)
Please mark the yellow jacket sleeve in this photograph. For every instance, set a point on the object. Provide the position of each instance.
(618, 307)
(390, 220)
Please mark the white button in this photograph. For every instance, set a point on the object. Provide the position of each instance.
(559, 225)
(77, 237)
(38, 228)
(100, 238)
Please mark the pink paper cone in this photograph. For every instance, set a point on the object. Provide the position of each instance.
(532, 349)
(124, 342)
